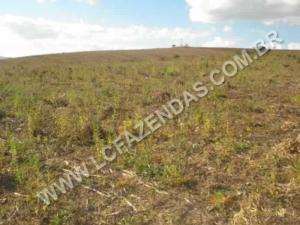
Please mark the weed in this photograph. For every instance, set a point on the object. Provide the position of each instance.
(170, 71)
(2, 114)
(241, 147)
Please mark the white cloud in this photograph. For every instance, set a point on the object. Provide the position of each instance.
(268, 11)
(90, 2)
(22, 36)
(43, 1)
(227, 28)
(294, 46)
(220, 42)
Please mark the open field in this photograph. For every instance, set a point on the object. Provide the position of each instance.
(231, 158)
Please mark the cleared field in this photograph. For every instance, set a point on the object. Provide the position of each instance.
(231, 158)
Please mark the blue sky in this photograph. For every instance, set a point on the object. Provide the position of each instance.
(32, 27)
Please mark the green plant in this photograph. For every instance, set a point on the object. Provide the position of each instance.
(241, 147)
(170, 70)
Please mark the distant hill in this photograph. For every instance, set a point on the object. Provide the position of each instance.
(2, 58)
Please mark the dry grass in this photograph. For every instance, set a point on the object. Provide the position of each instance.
(233, 158)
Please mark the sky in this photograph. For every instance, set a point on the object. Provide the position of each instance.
(35, 27)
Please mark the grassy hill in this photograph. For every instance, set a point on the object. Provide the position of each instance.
(231, 158)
